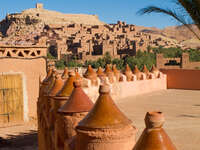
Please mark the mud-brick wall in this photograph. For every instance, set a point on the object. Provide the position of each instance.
(182, 79)
(30, 69)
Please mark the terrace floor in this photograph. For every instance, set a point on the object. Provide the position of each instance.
(181, 109)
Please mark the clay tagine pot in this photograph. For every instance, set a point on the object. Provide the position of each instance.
(100, 72)
(155, 71)
(154, 136)
(105, 127)
(44, 83)
(146, 71)
(128, 73)
(49, 83)
(116, 72)
(78, 101)
(68, 86)
(65, 74)
(137, 72)
(101, 75)
(109, 73)
(58, 84)
(91, 74)
(74, 110)
(77, 75)
(49, 72)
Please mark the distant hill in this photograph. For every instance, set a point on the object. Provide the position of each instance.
(179, 33)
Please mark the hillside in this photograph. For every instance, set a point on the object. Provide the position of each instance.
(179, 33)
(29, 26)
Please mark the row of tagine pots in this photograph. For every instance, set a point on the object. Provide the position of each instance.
(68, 119)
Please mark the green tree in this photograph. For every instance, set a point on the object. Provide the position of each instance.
(187, 13)
(107, 58)
(60, 64)
(49, 56)
(119, 63)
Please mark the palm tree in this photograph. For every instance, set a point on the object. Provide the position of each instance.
(188, 13)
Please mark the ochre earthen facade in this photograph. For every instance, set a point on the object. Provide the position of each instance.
(182, 62)
(30, 63)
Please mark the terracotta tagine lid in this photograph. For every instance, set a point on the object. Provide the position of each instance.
(90, 73)
(109, 73)
(137, 72)
(116, 72)
(65, 73)
(100, 72)
(145, 70)
(154, 69)
(49, 73)
(58, 84)
(77, 75)
(78, 101)
(128, 73)
(50, 82)
(108, 70)
(154, 137)
(68, 86)
(105, 114)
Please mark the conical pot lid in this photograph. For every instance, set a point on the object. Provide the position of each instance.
(77, 75)
(145, 70)
(58, 84)
(49, 73)
(136, 70)
(127, 69)
(115, 70)
(65, 73)
(154, 137)
(68, 86)
(154, 69)
(105, 114)
(90, 73)
(77, 102)
(100, 72)
(50, 82)
(108, 70)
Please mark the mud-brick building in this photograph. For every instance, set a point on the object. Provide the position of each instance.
(20, 70)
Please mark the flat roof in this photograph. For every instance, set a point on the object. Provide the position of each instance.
(181, 109)
(22, 46)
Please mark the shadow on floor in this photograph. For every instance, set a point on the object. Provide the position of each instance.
(19, 141)
(188, 116)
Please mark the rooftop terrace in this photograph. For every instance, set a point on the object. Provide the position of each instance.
(181, 109)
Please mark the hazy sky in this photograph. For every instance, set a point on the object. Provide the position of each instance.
(109, 11)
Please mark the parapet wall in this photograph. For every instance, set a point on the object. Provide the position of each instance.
(182, 79)
(120, 90)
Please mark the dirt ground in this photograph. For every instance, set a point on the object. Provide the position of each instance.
(181, 109)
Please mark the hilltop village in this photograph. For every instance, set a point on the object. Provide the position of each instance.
(82, 36)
